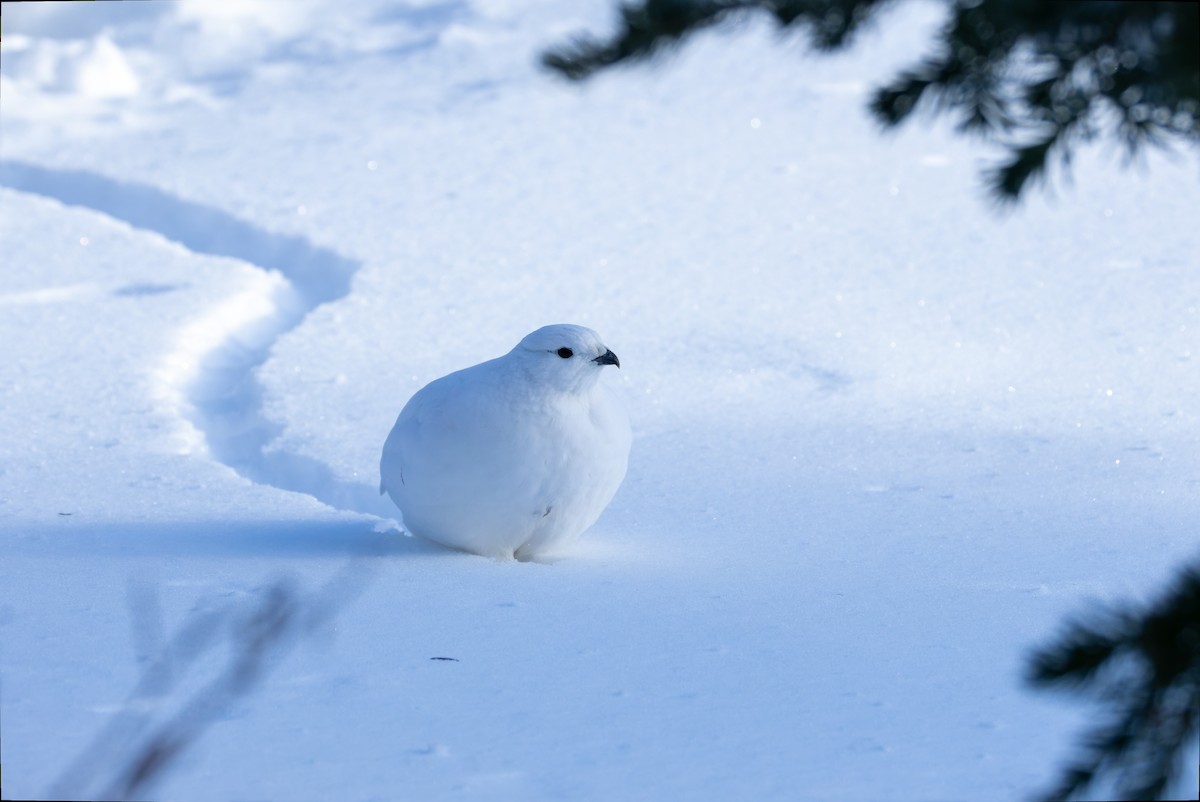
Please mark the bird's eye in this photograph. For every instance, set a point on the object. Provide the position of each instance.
(566, 353)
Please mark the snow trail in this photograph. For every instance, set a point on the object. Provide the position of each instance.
(209, 378)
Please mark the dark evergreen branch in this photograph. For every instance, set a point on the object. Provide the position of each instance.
(646, 28)
(1146, 668)
(1038, 77)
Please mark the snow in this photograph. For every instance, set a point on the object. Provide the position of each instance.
(886, 438)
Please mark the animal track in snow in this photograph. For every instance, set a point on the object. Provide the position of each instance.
(209, 377)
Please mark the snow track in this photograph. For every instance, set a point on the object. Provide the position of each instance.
(209, 377)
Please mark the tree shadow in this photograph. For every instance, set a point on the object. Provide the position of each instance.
(219, 655)
(298, 539)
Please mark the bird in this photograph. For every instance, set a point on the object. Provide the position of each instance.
(515, 457)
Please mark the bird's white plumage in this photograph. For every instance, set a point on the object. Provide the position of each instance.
(513, 457)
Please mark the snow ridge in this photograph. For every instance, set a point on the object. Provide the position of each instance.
(209, 378)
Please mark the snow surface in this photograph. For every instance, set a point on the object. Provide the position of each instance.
(885, 438)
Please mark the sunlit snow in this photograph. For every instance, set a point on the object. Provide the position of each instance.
(886, 438)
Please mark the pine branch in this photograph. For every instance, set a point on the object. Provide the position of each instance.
(1147, 668)
(1036, 76)
(645, 29)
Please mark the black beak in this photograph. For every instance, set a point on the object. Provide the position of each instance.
(607, 358)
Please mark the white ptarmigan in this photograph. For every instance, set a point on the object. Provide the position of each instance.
(513, 457)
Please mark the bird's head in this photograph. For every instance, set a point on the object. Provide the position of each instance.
(565, 356)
